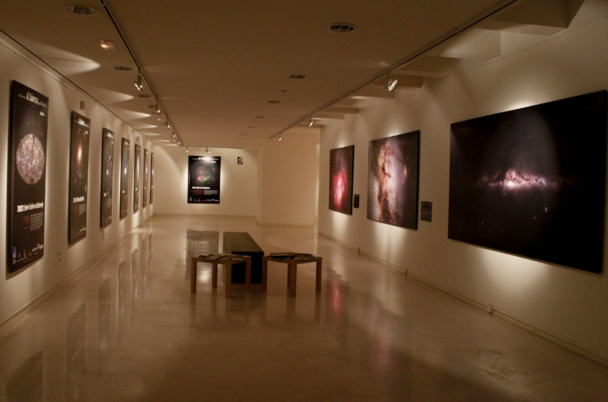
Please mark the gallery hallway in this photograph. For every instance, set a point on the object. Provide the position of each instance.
(127, 328)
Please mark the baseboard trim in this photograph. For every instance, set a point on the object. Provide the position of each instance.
(509, 318)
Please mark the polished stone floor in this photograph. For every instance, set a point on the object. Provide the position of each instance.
(128, 329)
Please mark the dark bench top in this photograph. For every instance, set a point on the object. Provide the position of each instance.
(240, 242)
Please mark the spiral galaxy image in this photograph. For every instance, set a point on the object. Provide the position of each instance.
(30, 159)
(531, 181)
(341, 179)
(392, 190)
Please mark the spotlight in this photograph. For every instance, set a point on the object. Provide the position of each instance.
(311, 122)
(138, 83)
(187, 150)
(157, 108)
(280, 137)
(168, 124)
(207, 150)
(391, 83)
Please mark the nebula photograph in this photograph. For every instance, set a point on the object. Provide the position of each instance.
(124, 177)
(341, 179)
(136, 177)
(532, 181)
(26, 176)
(204, 179)
(392, 185)
(79, 176)
(107, 176)
(146, 177)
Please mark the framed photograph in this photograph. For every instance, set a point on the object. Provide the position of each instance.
(107, 177)
(151, 177)
(79, 177)
(532, 181)
(136, 177)
(146, 177)
(341, 162)
(26, 176)
(204, 179)
(392, 185)
(124, 177)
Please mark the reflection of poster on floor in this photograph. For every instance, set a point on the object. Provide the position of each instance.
(124, 177)
(26, 176)
(151, 177)
(136, 175)
(107, 177)
(79, 174)
(146, 177)
(204, 179)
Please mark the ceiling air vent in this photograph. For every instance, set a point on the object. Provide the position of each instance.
(342, 27)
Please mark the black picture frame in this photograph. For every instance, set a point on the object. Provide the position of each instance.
(79, 177)
(26, 176)
(107, 177)
(124, 177)
(136, 177)
(392, 186)
(531, 181)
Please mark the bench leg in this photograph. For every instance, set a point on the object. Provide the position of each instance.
(264, 275)
(228, 279)
(214, 275)
(247, 275)
(193, 276)
(292, 273)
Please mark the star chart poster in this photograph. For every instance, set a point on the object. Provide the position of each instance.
(204, 179)
(152, 178)
(532, 181)
(124, 177)
(341, 179)
(392, 184)
(79, 174)
(146, 176)
(136, 176)
(26, 176)
(107, 176)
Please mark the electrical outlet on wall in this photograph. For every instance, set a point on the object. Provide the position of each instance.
(59, 258)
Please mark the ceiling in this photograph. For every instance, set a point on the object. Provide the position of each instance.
(223, 71)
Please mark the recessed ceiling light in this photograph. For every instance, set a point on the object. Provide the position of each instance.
(80, 10)
(342, 27)
(297, 76)
(144, 96)
(123, 68)
(274, 101)
(259, 117)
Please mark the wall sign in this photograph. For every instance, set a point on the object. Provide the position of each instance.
(204, 179)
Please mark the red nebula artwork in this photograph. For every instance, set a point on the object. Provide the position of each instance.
(341, 179)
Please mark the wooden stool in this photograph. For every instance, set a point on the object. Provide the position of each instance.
(292, 270)
(226, 260)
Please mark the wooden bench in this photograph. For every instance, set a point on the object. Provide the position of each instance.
(228, 260)
(241, 243)
(292, 269)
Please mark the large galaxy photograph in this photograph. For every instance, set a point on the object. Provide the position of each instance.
(392, 185)
(341, 179)
(204, 179)
(107, 176)
(532, 181)
(26, 176)
(152, 178)
(79, 174)
(124, 177)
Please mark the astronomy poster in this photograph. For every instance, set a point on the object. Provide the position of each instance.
(26, 176)
(204, 179)
(341, 179)
(124, 177)
(151, 177)
(107, 176)
(392, 181)
(136, 176)
(79, 174)
(146, 176)
(532, 181)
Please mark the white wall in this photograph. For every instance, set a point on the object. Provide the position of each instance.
(20, 289)
(289, 180)
(568, 304)
(238, 183)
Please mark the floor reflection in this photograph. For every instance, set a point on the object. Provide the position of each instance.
(129, 329)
